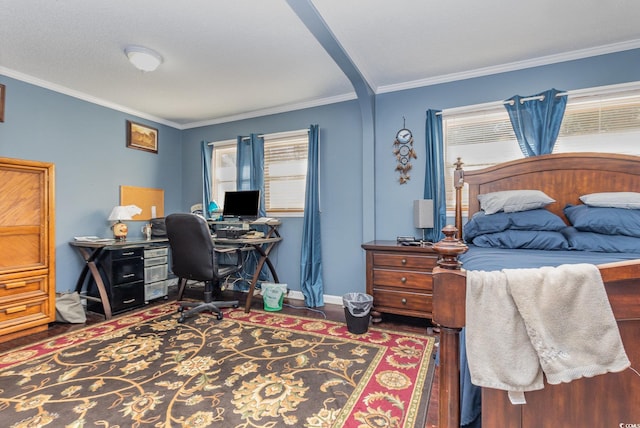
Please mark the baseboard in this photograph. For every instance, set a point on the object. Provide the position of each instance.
(328, 298)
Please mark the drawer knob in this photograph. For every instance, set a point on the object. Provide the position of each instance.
(404, 301)
(403, 280)
(404, 261)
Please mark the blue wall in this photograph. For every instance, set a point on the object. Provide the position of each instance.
(87, 144)
(394, 214)
(340, 193)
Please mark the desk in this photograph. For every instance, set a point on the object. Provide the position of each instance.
(262, 246)
(91, 252)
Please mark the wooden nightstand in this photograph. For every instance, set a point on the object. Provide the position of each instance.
(399, 279)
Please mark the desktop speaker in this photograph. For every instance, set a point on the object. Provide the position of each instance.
(423, 213)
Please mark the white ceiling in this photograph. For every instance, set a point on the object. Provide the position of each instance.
(232, 59)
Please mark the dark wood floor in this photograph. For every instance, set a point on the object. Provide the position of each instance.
(332, 312)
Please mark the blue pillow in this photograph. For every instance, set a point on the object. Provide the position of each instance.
(590, 241)
(608, 221)
(539, 219)
(530, 239)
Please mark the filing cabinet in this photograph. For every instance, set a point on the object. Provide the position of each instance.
(122, 270)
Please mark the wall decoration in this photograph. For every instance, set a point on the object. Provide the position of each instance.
(2, 89)
(142, 137)
(403, 150)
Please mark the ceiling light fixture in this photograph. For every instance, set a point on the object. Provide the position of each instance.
(143, 58)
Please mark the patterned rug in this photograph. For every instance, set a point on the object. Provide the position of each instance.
(261, 369)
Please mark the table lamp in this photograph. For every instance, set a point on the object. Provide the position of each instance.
(423, 215)
(119, 213)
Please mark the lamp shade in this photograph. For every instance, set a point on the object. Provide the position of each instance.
(143, 58)
(123, 212)
(423, 213)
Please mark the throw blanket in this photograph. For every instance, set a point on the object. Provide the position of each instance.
(523, 322)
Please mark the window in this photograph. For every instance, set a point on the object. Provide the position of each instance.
(285, 171)
(601, 120)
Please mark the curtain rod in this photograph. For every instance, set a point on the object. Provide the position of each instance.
(279, 134)
(492, 104)
(594, 91)
(272, 135)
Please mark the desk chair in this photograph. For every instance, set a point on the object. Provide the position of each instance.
(194, 257)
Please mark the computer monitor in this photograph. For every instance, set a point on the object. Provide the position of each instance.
(242, 204)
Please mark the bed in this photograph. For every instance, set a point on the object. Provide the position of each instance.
(608, 400)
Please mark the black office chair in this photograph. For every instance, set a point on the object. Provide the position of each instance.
(194, 258)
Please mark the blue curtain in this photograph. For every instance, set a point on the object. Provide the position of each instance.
(434, 174)
(206, 152)
(250, 176)
(250, 165)
(311, 256)
(537, 122)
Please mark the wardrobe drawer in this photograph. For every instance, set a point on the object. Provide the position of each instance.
(21, 312)
(20, 288)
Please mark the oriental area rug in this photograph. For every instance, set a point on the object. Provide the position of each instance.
(261, 369)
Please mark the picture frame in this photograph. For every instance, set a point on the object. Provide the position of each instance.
(142, 137)
(2, 91)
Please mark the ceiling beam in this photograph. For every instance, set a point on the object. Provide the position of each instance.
(314, 22)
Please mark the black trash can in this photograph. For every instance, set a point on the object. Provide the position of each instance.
(357, 308)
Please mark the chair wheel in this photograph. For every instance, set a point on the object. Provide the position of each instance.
(180, 309)
(235, 306)
(181, 320)
(219, 316)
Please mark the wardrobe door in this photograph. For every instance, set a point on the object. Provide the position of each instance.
(27, 247)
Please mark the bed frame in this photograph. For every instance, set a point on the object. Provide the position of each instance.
(609, 400)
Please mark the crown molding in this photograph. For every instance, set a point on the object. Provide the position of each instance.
(84, 97)
(274, 110)
(513, 66)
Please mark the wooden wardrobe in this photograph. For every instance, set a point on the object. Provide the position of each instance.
(27, 247)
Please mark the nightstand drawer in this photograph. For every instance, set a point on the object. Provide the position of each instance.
(402, 279)
(390, 299)
(405, 261)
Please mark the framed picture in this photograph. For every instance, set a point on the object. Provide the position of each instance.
(2, 103)
(142, 137)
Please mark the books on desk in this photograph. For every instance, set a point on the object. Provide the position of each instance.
(91, 239)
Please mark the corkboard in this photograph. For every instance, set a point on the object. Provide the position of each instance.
(145, 198)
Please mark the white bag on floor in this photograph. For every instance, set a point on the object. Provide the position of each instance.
(69, 309)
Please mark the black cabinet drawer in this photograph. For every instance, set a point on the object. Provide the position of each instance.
(127, 296)
(124, 253)
(127, 270)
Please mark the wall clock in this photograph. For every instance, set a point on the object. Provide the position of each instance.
(403, 151)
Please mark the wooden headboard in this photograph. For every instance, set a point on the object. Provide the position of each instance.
(564, 177)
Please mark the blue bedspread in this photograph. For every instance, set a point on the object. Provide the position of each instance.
(489, 259)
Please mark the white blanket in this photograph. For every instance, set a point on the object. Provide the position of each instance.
(523, 322)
